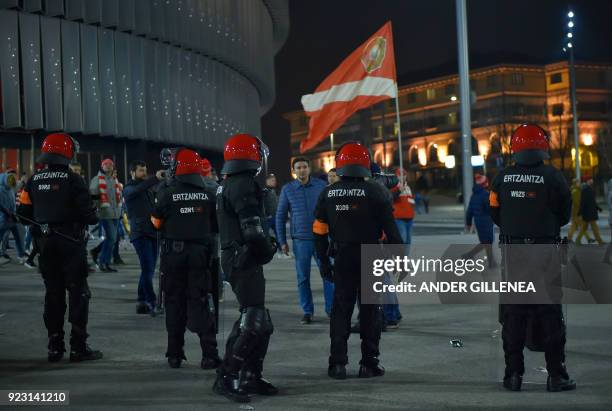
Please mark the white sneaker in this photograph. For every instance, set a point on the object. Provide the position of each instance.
(21, 260)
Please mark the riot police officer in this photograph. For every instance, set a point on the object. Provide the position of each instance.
(57, 201)
(185, 214)
(530, 202)
(352, 212)
(245, 248)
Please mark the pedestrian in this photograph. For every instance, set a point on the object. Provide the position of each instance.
(608, 253)
(576, 220)
(530, 202)
(332, 176)
(8, 223)
(479, 213)
(422, 188)
(299, 198)
(589, 212)
(185, 215)
(139, 202)
(106, 190)
(59, 200)
(245, 248)
(352, 212)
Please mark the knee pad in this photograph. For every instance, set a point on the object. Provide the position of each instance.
(256, 320)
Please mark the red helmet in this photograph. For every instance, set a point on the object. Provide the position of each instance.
(353, 160)
(243, 152)
(206, 167)
(529, 144)
(58, 148)
(187, 162)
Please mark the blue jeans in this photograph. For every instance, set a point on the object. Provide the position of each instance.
(17, 236)
(146, 248)
(404, 226)
(304, 250)
(110, 236)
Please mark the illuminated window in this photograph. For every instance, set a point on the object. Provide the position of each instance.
(431, 93)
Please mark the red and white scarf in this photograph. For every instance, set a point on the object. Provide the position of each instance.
(104, 194)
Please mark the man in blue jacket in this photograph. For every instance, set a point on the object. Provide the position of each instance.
(139, 201)
(299, 198)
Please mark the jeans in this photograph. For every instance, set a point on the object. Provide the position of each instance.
(304, 250)
(17, 236)
(28, 238)
(404, 226)
(110, 236)
(146, 249)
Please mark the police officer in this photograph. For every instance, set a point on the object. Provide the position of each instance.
(245, 248)
(185, 214)
(352, 212)
(58, 200)
(530, 202)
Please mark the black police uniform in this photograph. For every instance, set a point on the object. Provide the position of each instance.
(245, 247)
(59, 199)
(356, 212)
(530, 204)
(185, 210)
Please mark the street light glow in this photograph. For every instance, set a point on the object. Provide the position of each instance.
(569, 45)
(570, 24)
(570, 35)
(453, 98)
(570, 14)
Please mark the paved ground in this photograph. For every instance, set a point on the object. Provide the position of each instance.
(423, 370)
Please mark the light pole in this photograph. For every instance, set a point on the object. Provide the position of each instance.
(572, 72)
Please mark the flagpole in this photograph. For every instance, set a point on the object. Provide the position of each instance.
(399, 134)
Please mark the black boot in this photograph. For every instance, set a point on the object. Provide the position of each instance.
(560, 382)
(56, 348)
(175, 362)
(337, 372)
(142, 308)
(210, 363)
(118, 261)
(228, 385)
(254, 383)
(513, 381)
(84, 354)
(369, 371)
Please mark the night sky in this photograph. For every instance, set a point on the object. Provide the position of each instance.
(324, 32)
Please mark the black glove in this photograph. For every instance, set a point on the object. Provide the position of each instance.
(327, 271)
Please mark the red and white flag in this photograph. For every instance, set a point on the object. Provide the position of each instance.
(364, 78)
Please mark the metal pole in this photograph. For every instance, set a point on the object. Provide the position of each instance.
(331, 142)
(399, 134)
(574, 111)
(384, 137)
(464, 93)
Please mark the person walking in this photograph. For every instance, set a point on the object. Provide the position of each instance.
(589, 212)
(299, 198)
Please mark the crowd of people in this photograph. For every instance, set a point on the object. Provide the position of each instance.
(206, 230)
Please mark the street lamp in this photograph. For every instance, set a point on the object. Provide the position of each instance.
(572, 73)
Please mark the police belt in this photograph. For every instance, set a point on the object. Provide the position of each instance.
(168, 244)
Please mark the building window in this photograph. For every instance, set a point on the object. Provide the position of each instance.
(557, 109)
(452, 118)
(433, 154)
(410, 98)
(556, 78)
(517, 79)
(413, 155)
(449, 90)
(431, 93)
(492, 81)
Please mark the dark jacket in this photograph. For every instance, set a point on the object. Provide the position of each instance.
(140, 202)
(270, 202)
(480, 212)
(588, 205)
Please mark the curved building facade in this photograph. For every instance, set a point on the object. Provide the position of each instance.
(137, 73)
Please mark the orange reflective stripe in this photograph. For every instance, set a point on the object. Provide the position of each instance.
(319, 227)
(157, 222)
(493, 200)
(24, 198)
